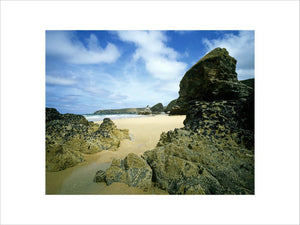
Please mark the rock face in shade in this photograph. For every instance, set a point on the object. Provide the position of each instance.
(212, 78)
(52, 114)
(100, 176)
(170, 106)
(133, 170)
(69, 135)
(158, 108)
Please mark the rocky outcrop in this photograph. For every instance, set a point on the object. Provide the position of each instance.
(212, 78)
(170, 106)
(157, 109)
(186, 162)
(223, 118)
(214, 152)
(52, 114)
(248, 82)
(100, 176)
(71, 135)
(175, 108)
(133, 170)
(146, 111)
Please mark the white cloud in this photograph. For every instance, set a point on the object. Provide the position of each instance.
(66, 46)
(241, 47)
(160, 61)
(59, 81)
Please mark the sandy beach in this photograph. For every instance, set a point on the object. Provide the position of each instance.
(145, 133)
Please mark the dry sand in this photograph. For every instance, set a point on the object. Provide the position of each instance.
(145, 133)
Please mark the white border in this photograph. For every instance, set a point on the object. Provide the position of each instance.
(23, 26)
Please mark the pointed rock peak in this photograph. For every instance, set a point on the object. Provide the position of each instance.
(216, 53)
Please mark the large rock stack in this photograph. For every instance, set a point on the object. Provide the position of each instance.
(157, 109)
(214, 152)
(212, 78)
(70, 135)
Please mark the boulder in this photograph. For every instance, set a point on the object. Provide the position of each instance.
(158, 108)
(185, 162)
(139, 173)
(133, 170)
(212, 78)
(100, 176)
(70, 135)
(75, 119)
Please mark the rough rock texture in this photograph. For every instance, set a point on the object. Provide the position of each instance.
(223, 118)
(186, 162)
(100, 176)
(52, 114)
(248, 82)
(212, 78)
(158, 108)
(71, 135)
(170, 106)
(133, 170)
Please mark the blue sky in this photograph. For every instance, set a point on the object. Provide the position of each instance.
(92, 70)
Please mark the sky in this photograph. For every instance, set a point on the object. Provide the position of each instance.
(91, 70)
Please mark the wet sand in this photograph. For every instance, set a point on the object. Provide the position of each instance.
(145, 133)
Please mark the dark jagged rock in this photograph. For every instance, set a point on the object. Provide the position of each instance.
(100, 176)
(133, 170)
(158, 108)
(71, 135)
(75, 119)
(52, 114)
(222, 118)
(248, 82)
(212, 78)
(170, 106)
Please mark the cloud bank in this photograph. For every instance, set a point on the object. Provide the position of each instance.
(160, 60)
(68, 48)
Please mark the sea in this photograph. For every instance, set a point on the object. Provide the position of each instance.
(93, 117)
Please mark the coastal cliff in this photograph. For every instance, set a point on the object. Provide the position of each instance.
(119, 111)
(214, 152)
(156, 109)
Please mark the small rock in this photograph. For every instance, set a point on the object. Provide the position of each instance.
(100, 176)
